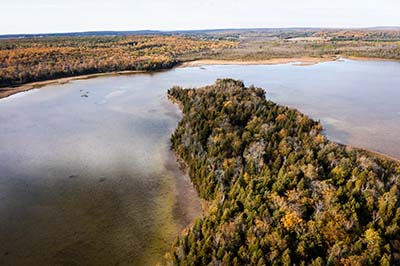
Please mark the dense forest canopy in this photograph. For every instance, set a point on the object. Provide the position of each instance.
(279, 192)
(36, 59)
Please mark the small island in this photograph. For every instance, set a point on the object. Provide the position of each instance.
(278, 191)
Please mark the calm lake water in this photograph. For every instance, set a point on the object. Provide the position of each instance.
(86, 175)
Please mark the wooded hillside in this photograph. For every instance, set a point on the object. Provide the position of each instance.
(37, 59)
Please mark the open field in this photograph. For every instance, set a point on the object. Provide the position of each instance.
(296, 43)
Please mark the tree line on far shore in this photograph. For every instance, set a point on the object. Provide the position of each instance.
(37, 59)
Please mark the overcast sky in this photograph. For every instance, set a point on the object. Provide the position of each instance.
(44, 16)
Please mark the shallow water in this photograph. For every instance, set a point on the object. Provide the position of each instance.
(91, 181)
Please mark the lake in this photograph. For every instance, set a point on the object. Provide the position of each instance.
(86, 174)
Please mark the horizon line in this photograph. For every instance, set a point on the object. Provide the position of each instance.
(197, 30)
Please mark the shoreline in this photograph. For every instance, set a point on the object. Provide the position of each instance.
(377, 154)
(302, 61)
(376, 59)
(184, 167)
(8, 91)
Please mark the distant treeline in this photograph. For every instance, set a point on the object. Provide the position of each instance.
(37, 59)
(279, 192)
(24, 60)
(386, 33)
(376, 34)
(263, 44)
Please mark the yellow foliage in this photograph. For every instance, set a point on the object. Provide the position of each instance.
(246, 177)
(228, 104)
(280, 117)
(338, 171)
(372, 237)
(228, 162)
(319, 138)
(216, 138)
(351, 261)
(283, 133)
(291, 220)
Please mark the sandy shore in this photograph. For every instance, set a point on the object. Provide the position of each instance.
(8, 91)
(301, 61)
(275, 61)
(370, 59)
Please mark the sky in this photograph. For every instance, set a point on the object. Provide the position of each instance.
(49, 16)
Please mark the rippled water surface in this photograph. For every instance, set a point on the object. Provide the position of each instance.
(86, 175)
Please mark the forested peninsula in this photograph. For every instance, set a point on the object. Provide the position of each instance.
(279, 192)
